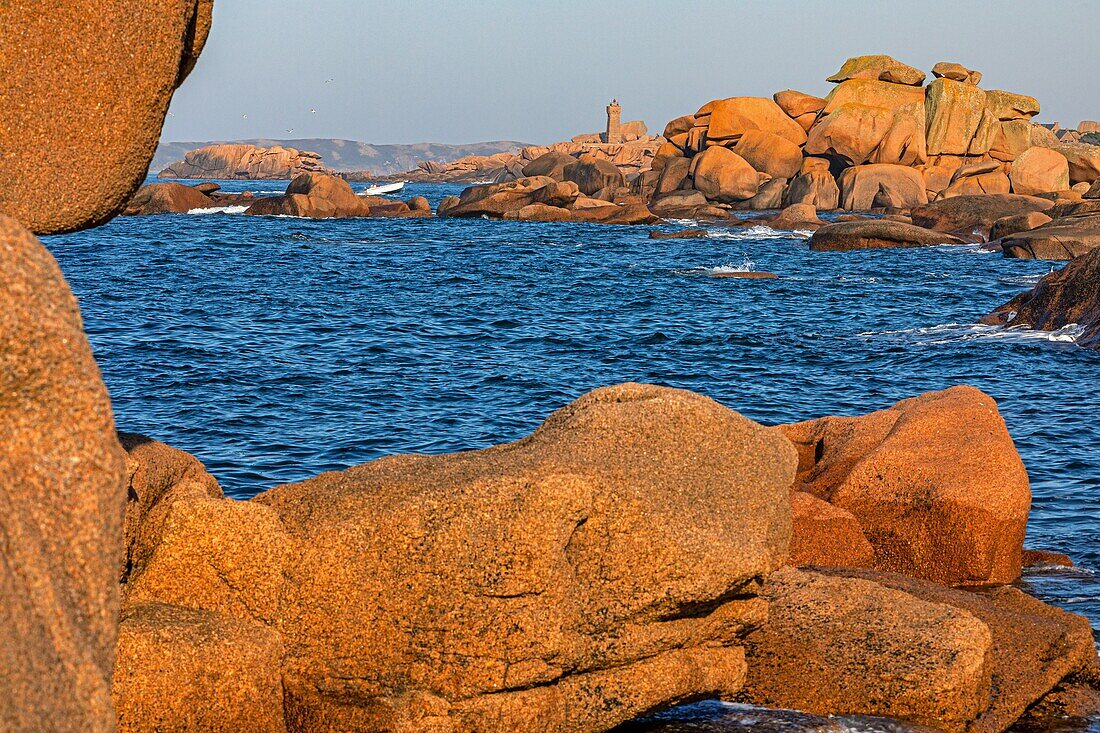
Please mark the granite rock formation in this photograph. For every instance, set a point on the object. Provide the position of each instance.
(55, 113)
(230, 162)
(949, 138)
(604, 566)
(934, 482)
(1063, 298)
(62, 493)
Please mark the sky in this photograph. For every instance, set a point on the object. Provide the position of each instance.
(539, 71)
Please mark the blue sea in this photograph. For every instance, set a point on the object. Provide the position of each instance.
(276, 348)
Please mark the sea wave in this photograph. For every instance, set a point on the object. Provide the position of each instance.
(758, 231)
(947, 333)
(746, 265)
(220, 210)
(1024, 279)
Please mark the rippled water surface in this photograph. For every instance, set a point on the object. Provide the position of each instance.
(276, 348)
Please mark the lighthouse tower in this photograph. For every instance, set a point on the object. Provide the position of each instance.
(614, 123)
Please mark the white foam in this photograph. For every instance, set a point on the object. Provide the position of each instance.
(746, 265)
(758, 231)
(1024, 279)
(220, 210)
(957, 332)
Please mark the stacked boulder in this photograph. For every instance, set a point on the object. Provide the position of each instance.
(881, 139)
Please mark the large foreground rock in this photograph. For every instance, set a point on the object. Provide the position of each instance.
(875, 234)
(605, 566)
(86, 85)
(1070, 295)
(62, 493)
(866, 642)
(935, 483)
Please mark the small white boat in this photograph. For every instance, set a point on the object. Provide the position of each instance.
(384, 189)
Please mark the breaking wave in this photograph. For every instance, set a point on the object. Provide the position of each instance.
(220, 210)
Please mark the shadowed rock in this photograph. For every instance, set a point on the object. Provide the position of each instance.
(62, 493)
(875, 234)
(974, 214)
(1060, 239)
(86, 85)
(1070, 295)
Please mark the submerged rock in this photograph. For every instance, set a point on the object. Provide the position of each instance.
(62, 491)
(605, 566)
(1070, 295)
(935, 483)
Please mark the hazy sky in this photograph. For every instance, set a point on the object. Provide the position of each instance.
(541, 71)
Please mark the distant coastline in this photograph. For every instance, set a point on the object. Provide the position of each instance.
(352, 155)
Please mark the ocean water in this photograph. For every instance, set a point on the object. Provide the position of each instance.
(277, 348)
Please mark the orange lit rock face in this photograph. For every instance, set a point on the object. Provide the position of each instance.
(934, 481)
(63, 492)
(95, 109)
(604, 566)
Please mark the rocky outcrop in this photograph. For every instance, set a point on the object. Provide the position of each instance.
(948, 139)
(234, 162)
(314, 196)
(934, 481)
(167, 198)
(61, 497)
(604, 566)
(875, 234)
(967, 215)
(1061, 239)
(98, 122)
(1070, 295)
(542, 198)
(857, 641)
